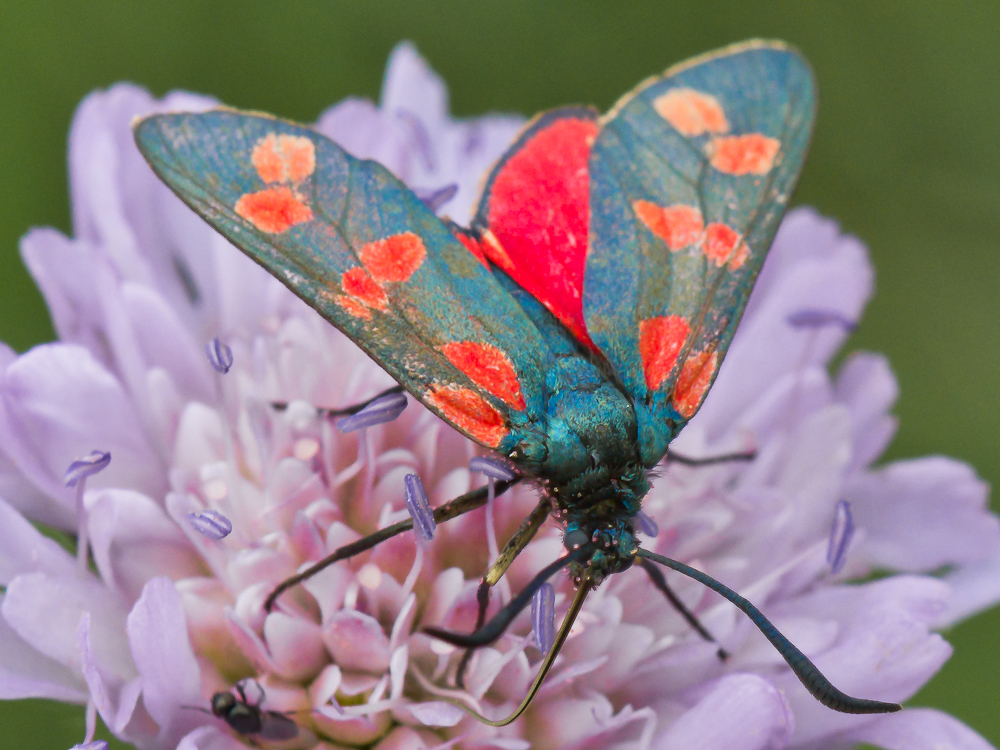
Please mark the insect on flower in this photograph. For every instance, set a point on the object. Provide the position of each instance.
(247, 718)
(574, 328)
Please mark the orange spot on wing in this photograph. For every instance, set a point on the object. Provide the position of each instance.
(360, 285)
(744, 154)
(273, 210)
(660, 341)
(720, 242)
(692, 383)
(691, 112)
(354, 307)
(395, 258)
(678, 225)
(300, 156)
(281, 158)
(489, 368)
(468, 411)
(266, 157)
(740, 257)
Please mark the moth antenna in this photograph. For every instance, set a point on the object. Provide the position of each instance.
(550, 657)
(502, 619)
(710, 460)
(820, 687)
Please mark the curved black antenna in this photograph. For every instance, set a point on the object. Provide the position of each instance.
(495, 627)
(451, 509)
(820, 687)
(710, 460)
(550, 657)
(660, 581)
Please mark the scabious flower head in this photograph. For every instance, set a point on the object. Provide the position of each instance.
(206, 381)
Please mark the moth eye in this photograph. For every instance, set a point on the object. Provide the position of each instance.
(575, 539)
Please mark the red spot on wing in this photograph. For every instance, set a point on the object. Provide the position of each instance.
(492, 247)
(720, 242)
(354, 307)
(691, 112)
(538, 213)
(678, 225)
(359, 284)
(395, 258)
(274, 210)
(660, 341)
(468, 411)
(489, 368)
(284, 158)
(744, 154)
(693, 381)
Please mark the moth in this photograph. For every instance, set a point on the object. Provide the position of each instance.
(576, 325)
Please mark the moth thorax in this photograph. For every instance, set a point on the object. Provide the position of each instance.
(600, 494)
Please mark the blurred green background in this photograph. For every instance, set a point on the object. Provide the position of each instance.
(906, 155)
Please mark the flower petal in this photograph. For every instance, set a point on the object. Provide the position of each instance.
(45, 611)
(26, 673)
(919, 729)
(356, 641)
(133, 540)
(740, 712)
(159, 643)
(922, 514)
(59, 404)
(23, 549)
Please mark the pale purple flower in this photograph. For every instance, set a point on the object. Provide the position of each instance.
(171, 617)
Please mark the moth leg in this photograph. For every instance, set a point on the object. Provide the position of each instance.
(710, 460)
(451, 509)
(495, 628)
(524, 534)
(345, 411)
(660, 581)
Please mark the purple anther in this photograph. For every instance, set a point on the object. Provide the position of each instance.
(821, 319)
(543, 616)
(90, 464)
(492, 467)
(646, 525)
(211, 523)
(220, 356)
(95, 745)
(419, 507)
(434, 199)
(840, 536)
(383, 409)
